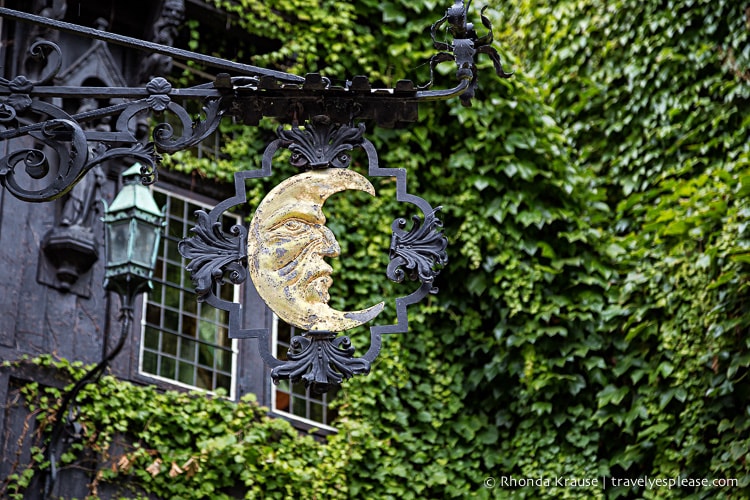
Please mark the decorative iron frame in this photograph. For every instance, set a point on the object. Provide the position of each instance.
(319, 358)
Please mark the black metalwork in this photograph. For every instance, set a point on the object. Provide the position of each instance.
(321, 360)
(64, 135)
(257, 93)
(319, 145)
(466, 45)
(37, 129)
(419, 250)
(214, 255)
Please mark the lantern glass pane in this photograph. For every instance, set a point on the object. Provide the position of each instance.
(119, 233)
(145, 240)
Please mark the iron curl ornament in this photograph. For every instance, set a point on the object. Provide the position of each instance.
(48, 150)
(419, 250)
(214, 254)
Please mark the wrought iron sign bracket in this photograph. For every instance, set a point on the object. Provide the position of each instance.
(39, 135)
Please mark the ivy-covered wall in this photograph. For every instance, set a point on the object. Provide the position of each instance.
(592, 322)
(654, 100)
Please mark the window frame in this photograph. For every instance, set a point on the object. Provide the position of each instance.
(194, 199)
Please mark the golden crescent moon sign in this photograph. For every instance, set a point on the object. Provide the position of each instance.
(286, 246)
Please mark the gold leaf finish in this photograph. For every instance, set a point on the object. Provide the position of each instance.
(287, 243)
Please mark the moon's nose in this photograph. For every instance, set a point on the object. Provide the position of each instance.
(329, 246)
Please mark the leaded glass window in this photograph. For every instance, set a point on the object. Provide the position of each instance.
(183, 341)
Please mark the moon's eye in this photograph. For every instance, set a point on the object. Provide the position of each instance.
(293, 225)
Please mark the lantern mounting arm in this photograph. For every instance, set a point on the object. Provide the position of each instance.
(42, 133)
(65, 416)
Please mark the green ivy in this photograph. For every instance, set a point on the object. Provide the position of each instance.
(654, 96)
(184, 445)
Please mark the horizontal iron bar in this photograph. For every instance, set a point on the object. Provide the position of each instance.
(111, 92)
(299, 93)
(135, 43)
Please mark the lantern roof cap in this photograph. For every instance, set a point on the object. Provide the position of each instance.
(134, 194)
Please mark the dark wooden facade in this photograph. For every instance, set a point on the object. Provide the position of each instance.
(40, 313)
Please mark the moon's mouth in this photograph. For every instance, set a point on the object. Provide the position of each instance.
(317, 287)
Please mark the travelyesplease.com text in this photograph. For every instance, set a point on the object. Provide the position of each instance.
(608, 482)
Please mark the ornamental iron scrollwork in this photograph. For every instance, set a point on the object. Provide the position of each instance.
(419, 250)
(62, 135)
(215, 256)
(464, 48)
(75, 149)
(319, 145)
(321, 360)
(251, 95)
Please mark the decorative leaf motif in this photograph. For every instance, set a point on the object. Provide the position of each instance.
(19, 100)
(214, 255)
(21, 85)
(418, 250)
(142, 153)
(321, 360)
(321, 145)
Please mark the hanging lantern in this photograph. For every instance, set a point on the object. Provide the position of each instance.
(133, 229)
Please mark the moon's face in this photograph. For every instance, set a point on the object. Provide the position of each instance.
(287, 244)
